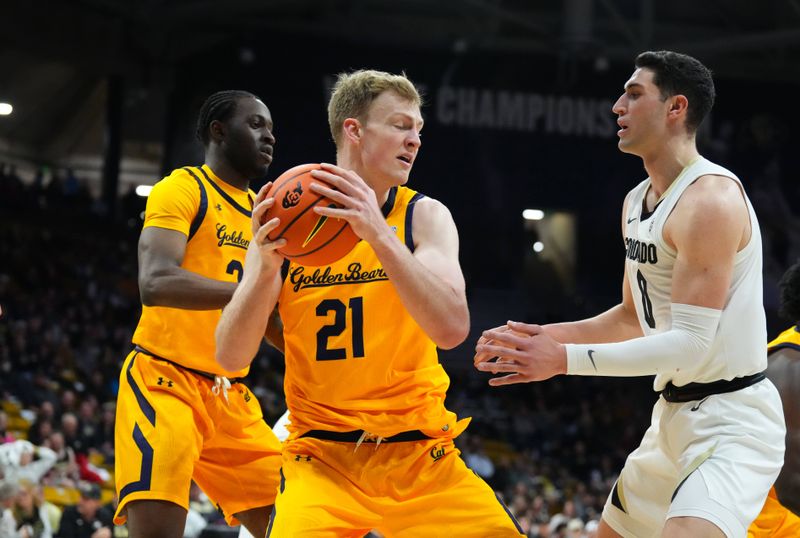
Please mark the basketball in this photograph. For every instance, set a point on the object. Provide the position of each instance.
(311, 239)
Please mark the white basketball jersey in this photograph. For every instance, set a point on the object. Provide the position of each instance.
(740, 344)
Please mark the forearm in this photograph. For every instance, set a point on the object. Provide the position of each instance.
(178, 288)
(614, 325)
(439, 308)
(244, 321)
(691, 335)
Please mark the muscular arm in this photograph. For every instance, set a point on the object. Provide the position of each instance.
(701, 280)
(784, 372)
(429, 281)
(162, 280)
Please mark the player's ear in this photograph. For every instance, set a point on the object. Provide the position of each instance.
(216, 130)
(352, 129)
(679, 105)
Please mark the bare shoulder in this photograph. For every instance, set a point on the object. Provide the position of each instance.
(711, 191)
(712, 198)
(430, 212)
(432, 223)
(715, 207)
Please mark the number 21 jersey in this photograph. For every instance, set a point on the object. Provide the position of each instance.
(355, 358)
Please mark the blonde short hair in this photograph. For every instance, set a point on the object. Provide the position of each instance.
(354, 92)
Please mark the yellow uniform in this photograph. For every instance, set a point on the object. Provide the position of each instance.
(176, 419)
(775, 520)
(358, 367)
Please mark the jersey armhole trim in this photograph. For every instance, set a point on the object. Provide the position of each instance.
(201, 210)
(409, 233)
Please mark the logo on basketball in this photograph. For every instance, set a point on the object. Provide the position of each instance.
(292, 198)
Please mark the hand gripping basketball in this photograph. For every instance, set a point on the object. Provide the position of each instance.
(311, 239)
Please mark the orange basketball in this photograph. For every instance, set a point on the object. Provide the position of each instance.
(311, 239)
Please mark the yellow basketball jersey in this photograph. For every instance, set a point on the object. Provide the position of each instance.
(788, 338)
(355, 358)
(215, 217)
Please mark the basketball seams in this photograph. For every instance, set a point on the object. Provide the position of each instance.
(331, 242)
(297, 217)
(299, 257)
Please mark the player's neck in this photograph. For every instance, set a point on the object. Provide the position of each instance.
(665, 165)
(224, 171)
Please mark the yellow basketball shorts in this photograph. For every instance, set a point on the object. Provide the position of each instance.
(171, 428)
(402, 489)
(774, 521)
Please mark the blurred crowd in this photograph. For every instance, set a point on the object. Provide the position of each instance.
(69, 300)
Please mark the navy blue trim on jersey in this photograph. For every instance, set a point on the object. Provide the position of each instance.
(516, 523)
(144, 405)
(783, 345)
(388, 205)
(409, 219)
(285, 269)
(201, 210)
(645, 214)
(271, 519)
(143, 484)
(243, 210)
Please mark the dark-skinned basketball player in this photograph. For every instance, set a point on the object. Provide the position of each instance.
(180, 416)
(371, 442)
(780, 517)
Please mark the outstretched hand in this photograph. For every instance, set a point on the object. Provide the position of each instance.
(524, 352)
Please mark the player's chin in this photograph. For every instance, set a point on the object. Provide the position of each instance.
(401, 178)
(259, 171)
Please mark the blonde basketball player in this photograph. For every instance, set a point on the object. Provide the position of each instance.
(691, 313)
(371, 442)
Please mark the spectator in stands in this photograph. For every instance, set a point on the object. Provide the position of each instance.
(21, 460)
(42, 427)
(8, 492)
(87, 519)
(48, 510)
(104, 437)
(65, 471)
(30, 516)
(72, 436)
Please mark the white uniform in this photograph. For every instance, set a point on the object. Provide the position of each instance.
(715, 458)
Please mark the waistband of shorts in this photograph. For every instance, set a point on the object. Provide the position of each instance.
(356, 435)
(698, 391)
(201, 373)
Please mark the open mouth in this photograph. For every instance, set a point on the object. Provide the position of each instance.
(406, 159)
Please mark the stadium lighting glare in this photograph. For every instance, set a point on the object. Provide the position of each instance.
(538, 246)
(6, 109)
(533, 214)
(144, 190)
